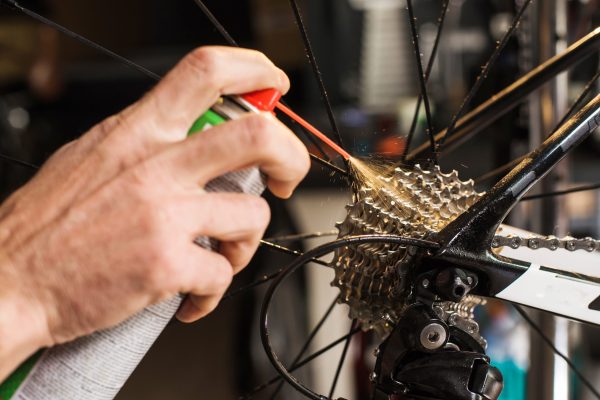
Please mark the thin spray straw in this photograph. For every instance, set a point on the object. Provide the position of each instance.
(314, 131)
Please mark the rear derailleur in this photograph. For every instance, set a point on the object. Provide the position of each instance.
(429, 356)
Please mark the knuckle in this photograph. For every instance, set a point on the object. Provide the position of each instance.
(259, 208)
(256, 133)
(141, 179)
(68, 147)
(257, 126)
(65, 150)
(162, 268)
(242, 253)
(153, 219)
(225, 279)
(223, 275)
(204, 60)
(107, 126)
(262, 57)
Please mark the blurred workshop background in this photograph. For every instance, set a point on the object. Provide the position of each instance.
(52, 89)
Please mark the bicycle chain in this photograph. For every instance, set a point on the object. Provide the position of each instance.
(548, 242)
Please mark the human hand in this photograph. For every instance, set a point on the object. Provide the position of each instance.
(106, 227)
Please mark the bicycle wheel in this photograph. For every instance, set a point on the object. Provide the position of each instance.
(378, 313)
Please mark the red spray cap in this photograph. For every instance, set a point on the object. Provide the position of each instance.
(264, 100)
(268, 100)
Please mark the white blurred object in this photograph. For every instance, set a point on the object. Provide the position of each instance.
(319, 211)
(387, 71)
(376, 4)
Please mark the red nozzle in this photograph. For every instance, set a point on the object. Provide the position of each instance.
(264, 100)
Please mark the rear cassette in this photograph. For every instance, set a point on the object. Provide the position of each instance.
(373, 278)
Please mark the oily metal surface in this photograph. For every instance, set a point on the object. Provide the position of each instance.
(372, 278)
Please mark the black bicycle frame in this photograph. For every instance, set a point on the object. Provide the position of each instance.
(466, 242)
(501, 103)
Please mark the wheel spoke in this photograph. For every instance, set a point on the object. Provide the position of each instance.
(319, 251)
(215, 22)
(332, 167)
(585, 188)
(580, 99)
(423, 98)
(485, 114)
(549, 342)
(503, 168)
(306, 344)
(430, 62)
(16, 6)
(422, 79)
(576, 104)
(270, 277)
(316, 71)
(16, 161)
(301, 236)
(342, 359)
(227, 36)
(311, 139)
(286, 250)
(302, 363)
(484, 73)
(267, 278)
(325, 160)
(252, 285)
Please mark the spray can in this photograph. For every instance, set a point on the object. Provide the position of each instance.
(95, 367)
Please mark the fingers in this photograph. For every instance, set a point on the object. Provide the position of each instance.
(167, 112)
(255, 139)
(206, 281)
(236, 220)
(239, 253)
(195, 307)
(204, 273)
(199, 79)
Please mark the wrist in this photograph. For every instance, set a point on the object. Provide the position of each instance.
(22, 327)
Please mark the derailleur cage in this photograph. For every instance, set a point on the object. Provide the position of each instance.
(425, 359)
